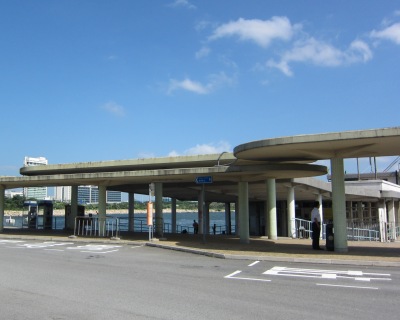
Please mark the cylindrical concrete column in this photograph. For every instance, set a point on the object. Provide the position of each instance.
(370, 212)
(200, 207)
(173, 215)
(158, 194)
(2, 205)
(102, 210)
(207, 217)
(243, 192)
(291, 213)
(339, 205)
(70, 221)
(360, 212)
(102, 201)
(237, 222)
(227, 218)
(392, 220)
(351, 213)
(131, 212)
(271, 209)
(321, 211)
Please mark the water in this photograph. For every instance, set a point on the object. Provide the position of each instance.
(184, 221)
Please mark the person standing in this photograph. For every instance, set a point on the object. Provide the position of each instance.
(195, 227)
(316, 226)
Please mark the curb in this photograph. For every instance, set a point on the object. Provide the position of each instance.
(371, 263)
(277, 258)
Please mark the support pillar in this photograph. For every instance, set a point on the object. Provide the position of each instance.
(173, 215)
(351, 213)
(207, 217)
(370, 212)
(2, 205)
(70, 221)
(360, 212)
(158, 194)
(339, 205)
(200, 212)
(321, 211)
(237, 223)
(244, 232)
(271, 209)
(291, 213)
(382, 220)
(227, 218)
(392, 220)
(102, 210)
(131, 212)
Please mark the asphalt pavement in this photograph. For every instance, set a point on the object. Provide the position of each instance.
(365, 253)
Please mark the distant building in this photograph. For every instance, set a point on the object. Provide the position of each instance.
(11, 193)
(86, 194)
(39, 193)
(62, 194)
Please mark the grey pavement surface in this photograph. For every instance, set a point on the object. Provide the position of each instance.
(363, 253)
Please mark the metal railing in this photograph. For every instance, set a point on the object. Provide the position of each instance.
(303, 228)
(358, 231)
(96, 227)
(355, 231)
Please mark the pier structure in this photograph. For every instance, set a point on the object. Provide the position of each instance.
(253, 177)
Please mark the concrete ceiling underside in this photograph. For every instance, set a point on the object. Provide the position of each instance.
(348, 144)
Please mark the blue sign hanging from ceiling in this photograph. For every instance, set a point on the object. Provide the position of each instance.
(204, 180)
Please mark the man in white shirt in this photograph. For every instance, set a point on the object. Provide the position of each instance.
(316, 226)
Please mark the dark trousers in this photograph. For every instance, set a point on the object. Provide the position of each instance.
(316, 230)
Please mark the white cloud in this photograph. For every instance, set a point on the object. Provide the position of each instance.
(215, 81)
(391, 33)
(203, 52)
(321, 54)
(188, 85)
(114, 109)
(262, 32)
(182, 3)
(212, 148)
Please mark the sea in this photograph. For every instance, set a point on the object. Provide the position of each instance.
(184, 221)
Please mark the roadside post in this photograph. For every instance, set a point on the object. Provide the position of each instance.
(150, 212)
(203, 180)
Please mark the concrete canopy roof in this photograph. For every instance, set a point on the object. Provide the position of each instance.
(177, 174)
(348, 144)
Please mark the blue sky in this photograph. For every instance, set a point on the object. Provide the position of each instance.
(118, 79)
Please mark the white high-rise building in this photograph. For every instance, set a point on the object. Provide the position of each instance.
(86, 194)
(39, 193)
(62, 194)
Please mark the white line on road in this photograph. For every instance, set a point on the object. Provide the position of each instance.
(328, 274)
(341, 286)
(253, 264)
(232, 276)
(99, 251)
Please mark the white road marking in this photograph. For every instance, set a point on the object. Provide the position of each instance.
(328, 274)
(44, 245)
(99, 251)
(253, 264)
(232, 276)
(10, 241)
(341, 286)
(94, 247)
(56, 246)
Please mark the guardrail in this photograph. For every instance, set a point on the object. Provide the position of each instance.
(362, 232)
(355, 231)
(96, 227)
